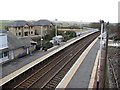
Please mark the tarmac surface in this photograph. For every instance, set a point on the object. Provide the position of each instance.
(82, 77)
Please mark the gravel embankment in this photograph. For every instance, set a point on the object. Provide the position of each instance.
(114, 67)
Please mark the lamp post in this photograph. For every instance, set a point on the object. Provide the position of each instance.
(81, 27)
(56, 27)
(41, 36)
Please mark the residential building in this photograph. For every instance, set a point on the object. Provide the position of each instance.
(42, 27)
(13, 47)
(21, 28)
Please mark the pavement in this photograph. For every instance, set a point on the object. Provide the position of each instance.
(82, 76)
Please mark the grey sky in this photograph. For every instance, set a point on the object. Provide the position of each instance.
(66, 10)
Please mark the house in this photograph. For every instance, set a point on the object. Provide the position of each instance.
(21, 28)
(15, 47)
(42, 27)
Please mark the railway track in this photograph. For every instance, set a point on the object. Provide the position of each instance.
(51, 73)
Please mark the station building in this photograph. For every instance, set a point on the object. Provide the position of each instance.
(12, 47)
(3, 46)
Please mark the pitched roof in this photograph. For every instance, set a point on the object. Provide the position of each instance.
(42, 23)
(13, 41)
(26, 41)
(19, 23)
(3, 31)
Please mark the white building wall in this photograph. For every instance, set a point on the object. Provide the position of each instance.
(3, 41)
(3, 59)
(3, 45)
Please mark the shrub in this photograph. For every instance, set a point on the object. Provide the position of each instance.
(66, 37)
(38, 47)
(71, 33)
(47, 45)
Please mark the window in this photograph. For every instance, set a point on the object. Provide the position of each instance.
(26, 33)
(18, 27)
(16, 34)
(19, 33)
(31, 32)
(26, 27)
(36, 32)
(5, 54)
(1, 56)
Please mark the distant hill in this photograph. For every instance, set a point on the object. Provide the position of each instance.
(3, 23)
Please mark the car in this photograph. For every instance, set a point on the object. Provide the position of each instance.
(79, 34)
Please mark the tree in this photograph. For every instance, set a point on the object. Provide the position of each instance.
(71, 33)
(95, 25)
(114, 30)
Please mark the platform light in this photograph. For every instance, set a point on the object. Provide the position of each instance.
(41, 37)
(56, 27)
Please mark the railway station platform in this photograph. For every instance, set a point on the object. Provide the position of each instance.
(82, 74)
(13, 65)
(14, 68)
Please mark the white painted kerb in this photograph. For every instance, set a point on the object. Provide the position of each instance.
(63, 84)
(94, 71)
(30, 65)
